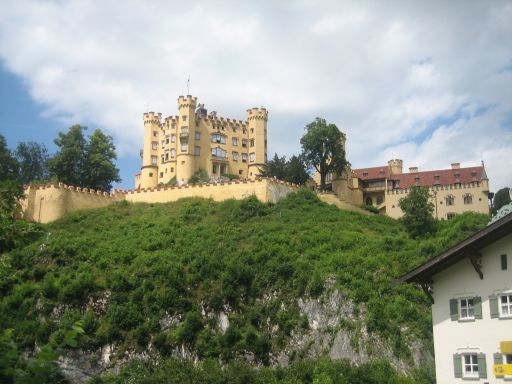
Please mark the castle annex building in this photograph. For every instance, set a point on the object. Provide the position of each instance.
(178, 146)
(453, 191)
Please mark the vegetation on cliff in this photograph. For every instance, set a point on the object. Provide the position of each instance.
(139, 274)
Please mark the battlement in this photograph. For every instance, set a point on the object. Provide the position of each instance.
(152, 118)
(187, 101)
(395, 162)
(257, 114)
(456, 186)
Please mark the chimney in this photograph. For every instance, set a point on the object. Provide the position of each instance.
(455, 165)
(413, 169)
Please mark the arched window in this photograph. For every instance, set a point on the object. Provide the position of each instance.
(369, 201)
(450, 200)
(468, 198)
(380, 200)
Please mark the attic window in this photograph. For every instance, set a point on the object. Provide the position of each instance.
(381, 172)
(417, 180)
(436, 180)
(365, 173)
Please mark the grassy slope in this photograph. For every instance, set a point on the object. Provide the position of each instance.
(171, 258)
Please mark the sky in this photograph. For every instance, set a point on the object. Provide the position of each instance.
(428, 82)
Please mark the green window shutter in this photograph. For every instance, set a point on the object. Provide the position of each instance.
(454, 309)
(498, 359)
(482, 366)
(477, 303)
(457, 365)
(493, 304)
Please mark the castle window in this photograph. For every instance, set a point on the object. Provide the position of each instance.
(166, 155)
(161, 174)
(218, 138)
(184, 118)
(183, 147)
(198, 135)
(197, 151)
(154, 145)
(163, 159)
(251, 143)
(244, 131)
(240, 172)
(450, 200)
(150, 174)
(468, 198)
(219, 152)
(163, 144)
(252, 130)
(173, 138)
(214, 169)
(244, 143)
(234, 155)
(244, 157)
(155, 133)
(173, 153)
(153, 160)
(234, 141)
(167, 139)
(380, 200)
(450, 215)
(172, 169)
(251, 157)
(173, 125)
(222, 169)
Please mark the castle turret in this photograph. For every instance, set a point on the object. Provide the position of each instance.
(257, 151)
(395, 167)
(149, 170)
(185, 161)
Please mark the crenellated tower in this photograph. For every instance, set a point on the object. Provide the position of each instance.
(257, 132)
(185, 161)
(149, 170)
(395, 167)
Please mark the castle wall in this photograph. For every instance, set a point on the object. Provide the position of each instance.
(51, 202)
(477, 190)
(265, 190)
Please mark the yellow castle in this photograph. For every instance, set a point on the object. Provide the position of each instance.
(179, 146)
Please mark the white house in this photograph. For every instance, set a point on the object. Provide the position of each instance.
(470, 286)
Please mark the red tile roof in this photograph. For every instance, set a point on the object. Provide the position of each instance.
(425, 178)
(372, 173)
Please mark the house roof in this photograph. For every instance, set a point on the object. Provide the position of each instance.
(424, 178)
(372, 173)
(465, 248)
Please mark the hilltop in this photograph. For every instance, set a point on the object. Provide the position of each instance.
(240, 284)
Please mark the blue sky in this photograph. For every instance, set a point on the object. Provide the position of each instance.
(415, 80)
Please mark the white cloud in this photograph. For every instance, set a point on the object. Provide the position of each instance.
(428, 82)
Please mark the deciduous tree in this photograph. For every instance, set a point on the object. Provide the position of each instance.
(417, 208)
(32, 158)
(501, 198)
(322, 148)
(100, 170)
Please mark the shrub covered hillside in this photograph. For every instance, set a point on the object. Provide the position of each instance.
(154, 278)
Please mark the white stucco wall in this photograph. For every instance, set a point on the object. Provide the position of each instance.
(479, 336)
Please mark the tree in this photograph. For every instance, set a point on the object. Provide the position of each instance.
(100, 170)
(297, 170)
(32, 159)
(85, 163)
(293, 170)
(69, 163)
(501, 198)
(8, 164)
(275, 168)
(418, 210)
(322, 148)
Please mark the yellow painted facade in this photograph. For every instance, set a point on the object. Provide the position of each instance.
(50, 202)
(178, 146)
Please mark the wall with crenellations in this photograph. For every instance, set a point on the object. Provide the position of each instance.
(50, 202)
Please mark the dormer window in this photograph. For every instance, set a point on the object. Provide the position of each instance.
(437, 180)
(417, 181)
(365, 173)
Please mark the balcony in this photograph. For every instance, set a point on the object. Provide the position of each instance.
(502, 369)
(184, 134)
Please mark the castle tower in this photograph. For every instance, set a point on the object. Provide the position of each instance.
(149, 170)
(257, 126)
(395, 167)
(185, 159)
